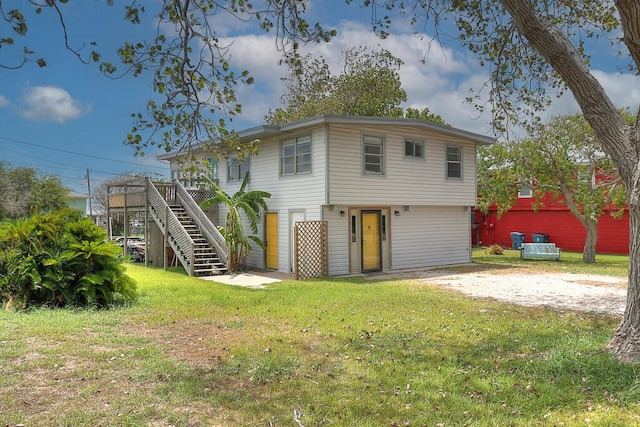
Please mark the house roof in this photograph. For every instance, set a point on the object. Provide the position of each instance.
(265, 131)
(75, 195)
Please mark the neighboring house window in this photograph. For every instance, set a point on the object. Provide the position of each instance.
(586, 176)
(414, 148)
(524, 190)
(373, 154)
(236, 168)
(295, 156)
(454, 161)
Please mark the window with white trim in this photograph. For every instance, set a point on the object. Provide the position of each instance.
(295, 155)
(454, 161)
(524, 189)
(373, 150)
(237, 169)
(414, 148)
(212, 168)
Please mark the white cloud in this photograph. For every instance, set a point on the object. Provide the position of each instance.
(50, 104)
(434, 76)
(623, 89)
(4, 102)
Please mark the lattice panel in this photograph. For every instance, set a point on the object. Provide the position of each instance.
(311, 249)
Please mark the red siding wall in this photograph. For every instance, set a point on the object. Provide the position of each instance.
(563, 228)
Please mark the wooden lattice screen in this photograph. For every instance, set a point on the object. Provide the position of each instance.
(311, 249)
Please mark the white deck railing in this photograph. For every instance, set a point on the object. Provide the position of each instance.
(177, 236)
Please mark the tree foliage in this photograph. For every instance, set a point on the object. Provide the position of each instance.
(194, 83)
(60, 259)
(561, 161)
(242, 203)
(26, 191)
(368, 85)
(424, 114)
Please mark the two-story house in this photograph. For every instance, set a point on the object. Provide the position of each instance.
(395, 193)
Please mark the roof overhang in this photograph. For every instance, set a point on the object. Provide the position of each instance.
(266, 131)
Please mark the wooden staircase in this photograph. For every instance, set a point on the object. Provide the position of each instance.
(206, 259)
(195, 240)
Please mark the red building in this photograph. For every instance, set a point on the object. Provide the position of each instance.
(554, 220)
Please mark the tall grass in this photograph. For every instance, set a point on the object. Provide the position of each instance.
(325, 352)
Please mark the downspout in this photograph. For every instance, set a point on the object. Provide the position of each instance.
(327, 193)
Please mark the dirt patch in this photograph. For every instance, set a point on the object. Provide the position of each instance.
(584, 292)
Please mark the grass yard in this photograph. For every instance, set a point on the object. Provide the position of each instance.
(570, 262)
(332, 352)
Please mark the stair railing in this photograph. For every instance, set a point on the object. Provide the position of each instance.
(177, 236)
(207, 228)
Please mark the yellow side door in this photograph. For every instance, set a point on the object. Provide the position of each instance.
(371, 251)
(271, 240)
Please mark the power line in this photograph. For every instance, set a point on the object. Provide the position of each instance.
(64, 166)
(79, 154)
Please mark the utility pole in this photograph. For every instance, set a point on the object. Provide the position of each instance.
(89, 192)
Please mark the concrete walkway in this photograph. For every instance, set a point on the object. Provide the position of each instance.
(251, 279)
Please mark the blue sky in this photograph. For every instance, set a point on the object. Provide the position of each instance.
(67, 117)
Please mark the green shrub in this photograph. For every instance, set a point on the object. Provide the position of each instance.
(61, 259)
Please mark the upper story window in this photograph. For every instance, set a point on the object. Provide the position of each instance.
(454, 161)
(373, 161)
(414, 148)
(295, 156)
(212, 168)
(236, 168)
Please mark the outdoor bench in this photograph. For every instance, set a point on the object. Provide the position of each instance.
(539, 251)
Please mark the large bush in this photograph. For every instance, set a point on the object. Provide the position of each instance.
(61, 259)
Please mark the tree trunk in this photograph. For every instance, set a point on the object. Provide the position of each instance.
(625, 343)
(589, 251)
(619, 140)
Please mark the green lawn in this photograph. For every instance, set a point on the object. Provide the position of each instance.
(331, 352)
(570, 262)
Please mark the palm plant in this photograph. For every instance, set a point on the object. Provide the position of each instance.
(251, 203)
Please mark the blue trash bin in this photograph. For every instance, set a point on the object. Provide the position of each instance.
(517, 239)
(540, 238)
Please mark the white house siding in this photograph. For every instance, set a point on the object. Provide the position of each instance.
(407, 181)
(430, 236)
(299, 193)
(338, 239)
(434, 231)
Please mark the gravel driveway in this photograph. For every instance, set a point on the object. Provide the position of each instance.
(603, 294)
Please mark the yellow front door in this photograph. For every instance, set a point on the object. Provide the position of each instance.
(371, 251)
(271, 240)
